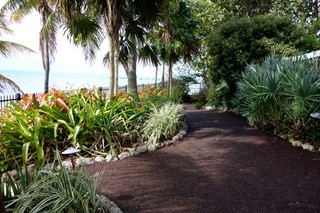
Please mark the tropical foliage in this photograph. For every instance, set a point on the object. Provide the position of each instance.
(163, 123)
(49, 191)
(247, 40)
(85, 119)
(280, 95)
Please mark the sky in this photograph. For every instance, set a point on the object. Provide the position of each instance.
(69, 58)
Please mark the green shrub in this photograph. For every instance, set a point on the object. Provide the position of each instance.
(236, 43)
(199, 105)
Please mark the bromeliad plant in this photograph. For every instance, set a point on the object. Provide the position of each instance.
(84, 119)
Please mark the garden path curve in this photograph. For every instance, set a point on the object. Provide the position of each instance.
(222, 165)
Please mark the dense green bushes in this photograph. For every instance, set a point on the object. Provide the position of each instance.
(279, 95)
(236, 43)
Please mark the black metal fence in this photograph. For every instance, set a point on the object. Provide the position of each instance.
(6, 99)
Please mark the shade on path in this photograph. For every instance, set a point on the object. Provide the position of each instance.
(222, 165)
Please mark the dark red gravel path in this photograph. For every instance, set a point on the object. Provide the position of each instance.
(222, 165)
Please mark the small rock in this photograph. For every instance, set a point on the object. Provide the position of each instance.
(183, 132)
(295, 143)
(307, 147)
(31, 167)
(13, 174)
(109, 158)
(123, 155)
(152, 148)
(115, 209)
(175, 139)
(65, 164)
(135, 153)
(111, 206)
(168, 142)
(84, 161)
(130, 149)
(99, 159)
(142, 149)
(209, 108)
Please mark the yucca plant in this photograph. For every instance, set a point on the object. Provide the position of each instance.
(302, 90)
(260, 94)
(282, 94)
(163, 122)
(50, 191)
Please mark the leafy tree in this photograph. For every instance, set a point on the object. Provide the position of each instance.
(239, 42)
(208, 14)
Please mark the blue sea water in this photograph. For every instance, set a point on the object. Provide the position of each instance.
(33, 81)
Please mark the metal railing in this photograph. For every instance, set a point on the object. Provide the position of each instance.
(6, 99)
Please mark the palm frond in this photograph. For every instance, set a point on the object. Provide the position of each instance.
(9, 49)
(7, 84)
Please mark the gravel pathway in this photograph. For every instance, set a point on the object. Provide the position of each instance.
(222, 165)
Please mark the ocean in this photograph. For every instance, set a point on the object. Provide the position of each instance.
(33, 81)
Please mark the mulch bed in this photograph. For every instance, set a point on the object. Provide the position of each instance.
(222, 165)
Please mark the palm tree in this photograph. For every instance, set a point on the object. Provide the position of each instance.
(133, 45)
(177, 35)
(9, 49)
(113, 15)
(49, 26)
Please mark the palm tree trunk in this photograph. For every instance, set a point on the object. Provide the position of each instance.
(170, 77)
(132, 72)
(112, 67)
(113, 24)
(163, 70)
(46, 67)
(156, 78)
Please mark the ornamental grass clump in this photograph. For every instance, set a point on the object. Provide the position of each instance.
(51, 191)
(163, 122)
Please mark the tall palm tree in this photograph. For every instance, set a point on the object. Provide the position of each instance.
(177, 35)
(9, 49)
(49, 27)
(112, 15)
(137, 19)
